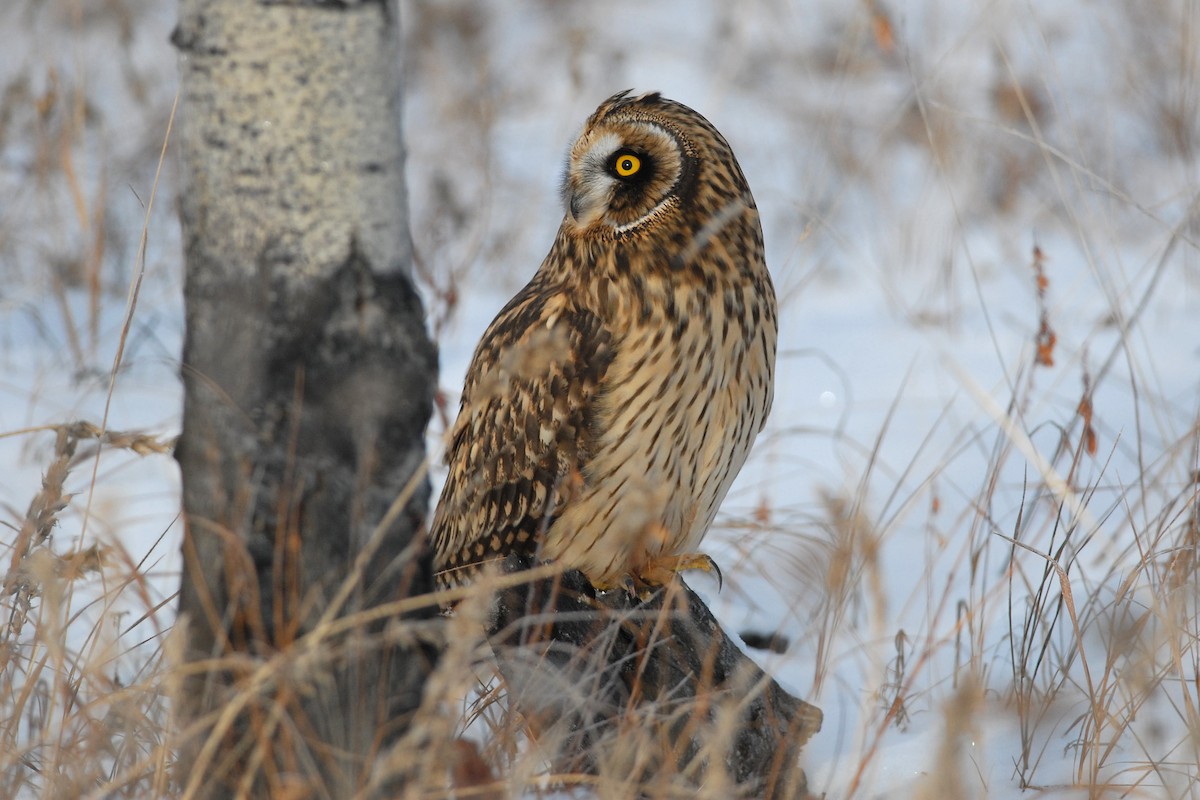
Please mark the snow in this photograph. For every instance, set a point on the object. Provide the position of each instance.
(909, 314)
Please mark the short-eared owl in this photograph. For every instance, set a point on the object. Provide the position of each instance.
(611, 403)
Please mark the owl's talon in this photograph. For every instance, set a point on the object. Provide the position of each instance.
(658, 572)
(703, 562)
(720, 578)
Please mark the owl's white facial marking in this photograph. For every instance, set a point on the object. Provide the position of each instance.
(654, 213)
(588, 186)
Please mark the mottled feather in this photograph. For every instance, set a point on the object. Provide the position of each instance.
(524, 431)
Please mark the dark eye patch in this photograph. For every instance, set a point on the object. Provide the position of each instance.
(630, 166)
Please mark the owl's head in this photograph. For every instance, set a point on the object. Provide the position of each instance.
(641, 161)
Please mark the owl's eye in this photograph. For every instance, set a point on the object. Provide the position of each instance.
(626, 165)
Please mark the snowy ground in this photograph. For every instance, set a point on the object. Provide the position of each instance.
(907, 161)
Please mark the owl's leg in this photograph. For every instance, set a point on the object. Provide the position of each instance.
(659, 571)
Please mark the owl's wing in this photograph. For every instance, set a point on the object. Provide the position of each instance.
(524, 431)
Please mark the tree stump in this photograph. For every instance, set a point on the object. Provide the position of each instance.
(652, 691)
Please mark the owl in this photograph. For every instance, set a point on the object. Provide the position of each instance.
(611, 403)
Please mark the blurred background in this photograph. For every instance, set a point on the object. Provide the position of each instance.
(980, 220)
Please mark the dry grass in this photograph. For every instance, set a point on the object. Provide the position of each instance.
(83, 704)
(1052, 513)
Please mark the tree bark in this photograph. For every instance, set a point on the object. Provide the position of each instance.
(649, 692)
(308, 379)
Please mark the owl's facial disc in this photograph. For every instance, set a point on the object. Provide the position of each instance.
(621, 175)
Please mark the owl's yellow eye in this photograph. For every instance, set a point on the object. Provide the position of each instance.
(627, 165)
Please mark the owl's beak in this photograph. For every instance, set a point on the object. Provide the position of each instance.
(574, 205)
(584, 201)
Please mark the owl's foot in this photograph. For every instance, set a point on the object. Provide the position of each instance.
(658, 572)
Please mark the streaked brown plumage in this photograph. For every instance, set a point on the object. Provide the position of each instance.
(611, 403)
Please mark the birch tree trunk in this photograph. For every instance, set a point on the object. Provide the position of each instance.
(308, 381)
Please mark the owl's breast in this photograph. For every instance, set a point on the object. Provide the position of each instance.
(689, 388)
